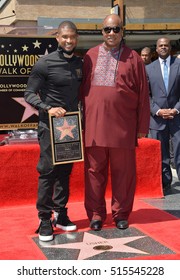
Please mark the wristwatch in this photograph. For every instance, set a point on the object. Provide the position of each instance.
(47, 108)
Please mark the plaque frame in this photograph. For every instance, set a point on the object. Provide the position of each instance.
(66, 138)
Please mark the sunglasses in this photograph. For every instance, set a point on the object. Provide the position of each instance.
(116, 29)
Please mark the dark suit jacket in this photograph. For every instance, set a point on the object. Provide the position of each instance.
(159, 98)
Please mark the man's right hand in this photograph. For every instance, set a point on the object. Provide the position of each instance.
(165, 114)
(58, 112)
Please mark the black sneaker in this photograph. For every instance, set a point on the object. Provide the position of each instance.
(45, 230)
(62, 221)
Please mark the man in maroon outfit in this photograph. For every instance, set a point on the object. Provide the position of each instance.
(116, 113)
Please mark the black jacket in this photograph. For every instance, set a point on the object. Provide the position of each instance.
(54, 81)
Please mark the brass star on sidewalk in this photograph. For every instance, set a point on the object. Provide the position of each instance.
(93, 245)
(66, 129)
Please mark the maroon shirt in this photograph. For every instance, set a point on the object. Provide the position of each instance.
(115, 97)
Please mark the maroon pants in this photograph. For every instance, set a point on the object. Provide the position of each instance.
(123, 181)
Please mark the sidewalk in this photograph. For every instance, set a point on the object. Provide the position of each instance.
(171, 201)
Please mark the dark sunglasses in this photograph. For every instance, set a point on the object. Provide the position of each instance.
(116, 29)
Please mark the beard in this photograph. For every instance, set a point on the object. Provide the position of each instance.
(65, 51)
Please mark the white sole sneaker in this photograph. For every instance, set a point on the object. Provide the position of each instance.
(45, 238)
(66, 228)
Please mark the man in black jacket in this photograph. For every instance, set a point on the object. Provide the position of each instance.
(56, 78)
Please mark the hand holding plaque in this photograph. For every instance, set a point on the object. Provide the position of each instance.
(66, 138)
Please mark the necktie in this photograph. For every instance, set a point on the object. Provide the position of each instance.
(166, 78)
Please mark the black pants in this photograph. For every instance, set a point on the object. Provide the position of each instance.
(53, 184)
(171, 150)
(170, 133)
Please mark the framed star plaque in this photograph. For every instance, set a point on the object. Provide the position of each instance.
(66, 138)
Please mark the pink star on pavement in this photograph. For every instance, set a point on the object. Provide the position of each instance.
(90, 241)
(66, 129)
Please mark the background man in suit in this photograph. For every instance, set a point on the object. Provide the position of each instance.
(165, 106)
